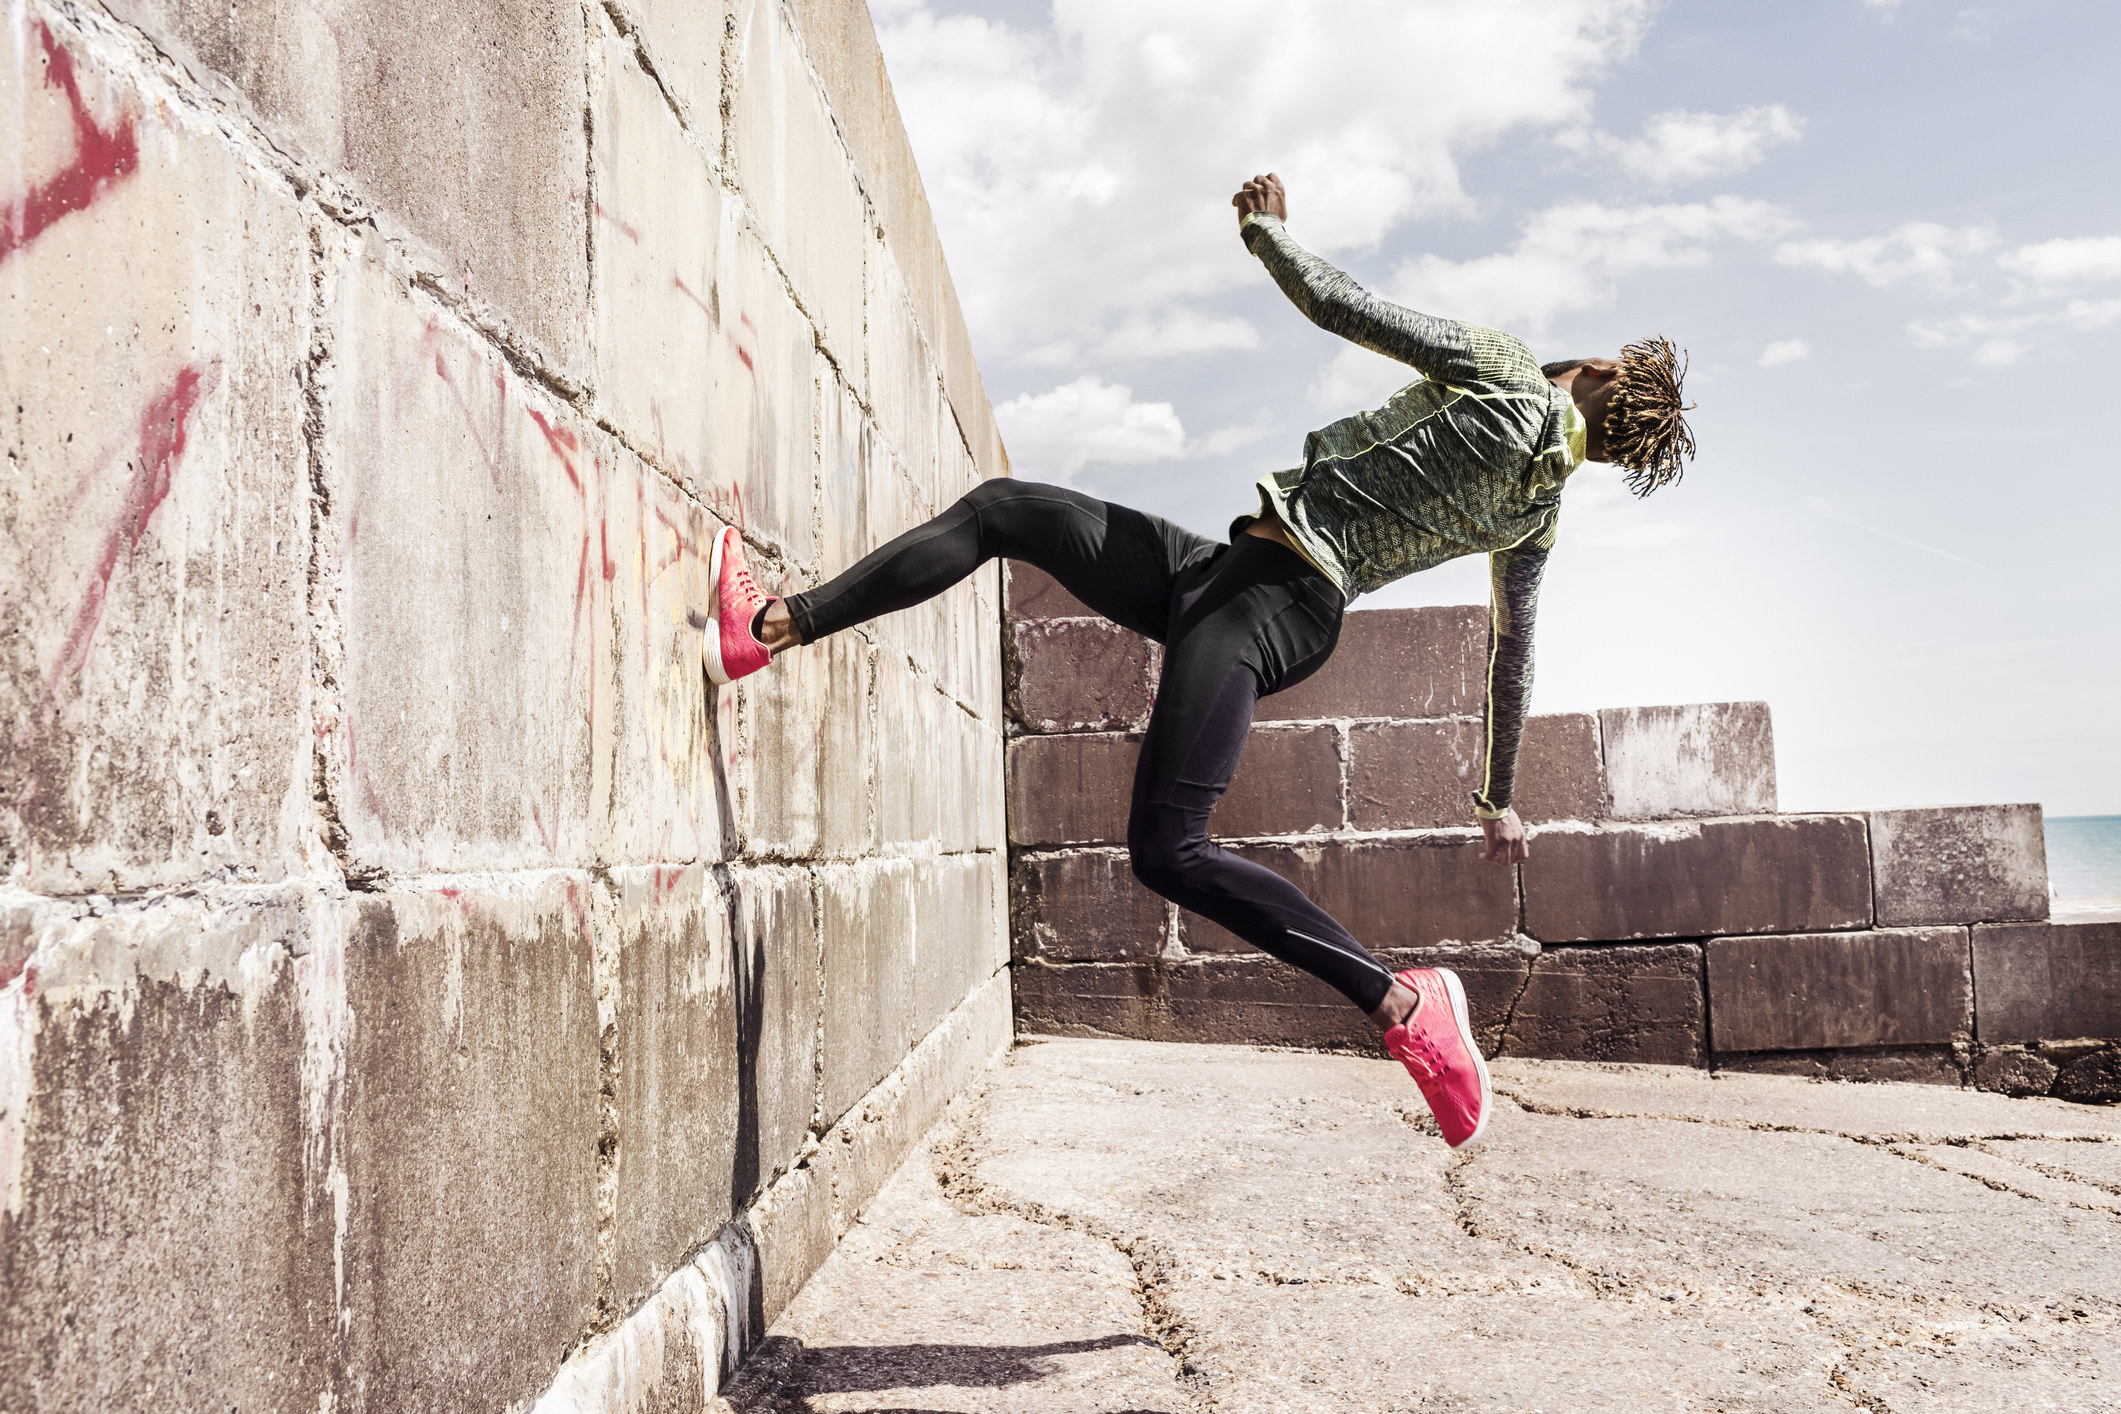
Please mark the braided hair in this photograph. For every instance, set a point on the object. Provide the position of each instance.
(1645, 422)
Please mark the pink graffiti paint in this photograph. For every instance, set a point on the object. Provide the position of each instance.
(165, 426)
(611, 568)
(629, 232)
(686, 290)
(564, 445)
(493, 464)
(102, 158)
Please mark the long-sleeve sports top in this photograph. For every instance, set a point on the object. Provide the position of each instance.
(1469, 459)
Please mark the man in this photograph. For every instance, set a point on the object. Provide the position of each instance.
(1470, 458)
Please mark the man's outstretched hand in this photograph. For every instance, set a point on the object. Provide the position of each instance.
(1506, 843)
(1262, 194)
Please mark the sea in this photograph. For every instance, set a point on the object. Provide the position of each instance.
(2084, 856)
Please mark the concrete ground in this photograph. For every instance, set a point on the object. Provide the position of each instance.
(1119, 1226)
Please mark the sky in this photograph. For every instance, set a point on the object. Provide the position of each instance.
(1887, 234)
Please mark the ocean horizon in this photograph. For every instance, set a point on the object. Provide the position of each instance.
(2084, 856)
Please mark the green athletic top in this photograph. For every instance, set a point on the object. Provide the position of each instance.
(1469, 459)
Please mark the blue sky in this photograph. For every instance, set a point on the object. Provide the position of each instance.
(1887, 233)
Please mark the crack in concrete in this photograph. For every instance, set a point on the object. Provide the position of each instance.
(1995, 1184)
(1884, 1137)
(955, 1156)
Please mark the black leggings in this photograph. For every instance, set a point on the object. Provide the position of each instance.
(1237, 622)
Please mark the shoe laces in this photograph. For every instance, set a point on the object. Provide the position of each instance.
(747, 589)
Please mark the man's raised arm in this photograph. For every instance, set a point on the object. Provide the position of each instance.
(1325, 295)
(1514, 575)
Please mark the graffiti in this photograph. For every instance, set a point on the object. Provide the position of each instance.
(165, 427)
(102, 158)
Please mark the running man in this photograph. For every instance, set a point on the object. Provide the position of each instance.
(1471, 458)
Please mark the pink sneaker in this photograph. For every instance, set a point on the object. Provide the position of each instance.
(731, 649)
(1435, 1044)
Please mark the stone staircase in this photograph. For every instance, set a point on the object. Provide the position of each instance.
(1669, 913)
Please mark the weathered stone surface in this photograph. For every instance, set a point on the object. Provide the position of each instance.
(904, 391)
(2040, 981)
(1640, 1004)
(1404, 893)
(867, 922)
(1959, 864)
(2012, 1071)
(2095, 1079)
(797, 177)
(679, 1038)
(470, 1128)
(165, 1223)
(1414, 775)
(1074, 675)
(1561, 769)
(1288, 783)
(779, 975)
(471, 139)
(1705, 758)
(684, 40)
(1034, 594)
(1395, 663)
(1812, 991)
(154, 522)
(1085, 999)
(914, 743)
(1071, 789)
(1901, 1065)
(960, 933)
(1789, 873)
(1084, 906)
(752, 456)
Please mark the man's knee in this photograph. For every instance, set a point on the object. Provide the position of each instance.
(1167, 861)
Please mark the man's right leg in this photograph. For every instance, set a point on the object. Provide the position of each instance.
(1118, 561)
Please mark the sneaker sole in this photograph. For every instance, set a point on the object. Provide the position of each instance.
(711, 636)
(1457, 993)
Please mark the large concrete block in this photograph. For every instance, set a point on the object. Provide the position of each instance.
(1072, 675)
(1789, 873)
(1414, 775)
(462, 124)
(2047, 982)
(784, 718)
(154, 516)
(954, 923)
(1396, 663)
(1705, 758)
(660, 346)
(1084, 906)
(1959, 864)
(165, 1221)
(902, 383)
(847, 452)
(1829, 990)
(847, 747)
(779, 991)
(1071, 789)
(797, 177)
(1391, 894)
(1087, 999)
(683, 39)
(1635, 1004)
(1288, 783)
(913, 743)
(1034, 594)
(470, 1134)
(467, 701)
(1560, 769)
(867, 922)
(683, 1153)
(755, 461)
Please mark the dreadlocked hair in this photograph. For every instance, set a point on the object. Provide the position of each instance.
(1645, 422)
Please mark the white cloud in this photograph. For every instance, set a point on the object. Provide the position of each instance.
(1679, 146)
(1598, 509)
(1081, 175)
(1997, 340)
(2088, 260)
(1918, 253)
(1177, 333)
(1884, 7)
(1784, 351)
(1051, 436)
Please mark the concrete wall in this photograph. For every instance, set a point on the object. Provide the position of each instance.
(1667, 913)
(417, 989)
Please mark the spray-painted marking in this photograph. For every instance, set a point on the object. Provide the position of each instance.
(164, 429)
(631, 233)
(471, 422)
(686, 290)
(102, 158)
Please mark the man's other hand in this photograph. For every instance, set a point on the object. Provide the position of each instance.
(1506, 842)
(1262, 194)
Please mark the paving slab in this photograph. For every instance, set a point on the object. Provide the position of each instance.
(1120, 1225)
